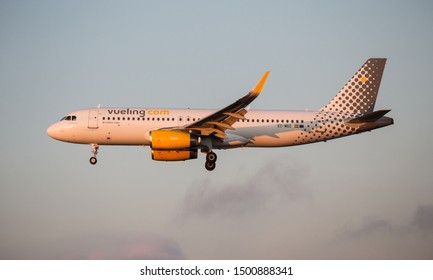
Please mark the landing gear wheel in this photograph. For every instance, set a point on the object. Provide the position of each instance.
(211, 156)
(210, 165)
(93, 160)
(95, 148)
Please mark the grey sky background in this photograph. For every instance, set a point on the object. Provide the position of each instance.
(368, 196)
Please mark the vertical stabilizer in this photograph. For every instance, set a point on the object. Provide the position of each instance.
(359, 95)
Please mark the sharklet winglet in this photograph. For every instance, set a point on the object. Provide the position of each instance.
(259, 86)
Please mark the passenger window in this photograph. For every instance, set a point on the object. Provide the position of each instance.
(74, 118)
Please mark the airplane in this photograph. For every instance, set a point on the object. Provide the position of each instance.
(179, 134)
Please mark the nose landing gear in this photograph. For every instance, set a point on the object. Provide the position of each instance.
(210, 163)
(93, 159)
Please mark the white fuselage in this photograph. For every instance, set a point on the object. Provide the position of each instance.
(178, 134)
(131, 126)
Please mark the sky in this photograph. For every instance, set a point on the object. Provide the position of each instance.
(368, 196)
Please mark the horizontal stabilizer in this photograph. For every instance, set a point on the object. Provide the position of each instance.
(370, 117)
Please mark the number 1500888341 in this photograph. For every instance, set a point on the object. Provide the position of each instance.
(245, 270)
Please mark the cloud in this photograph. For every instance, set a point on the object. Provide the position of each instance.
(382, 239)
(421, 224)
(423, 220)
(144, 247)
(370, 228)
(277, 181)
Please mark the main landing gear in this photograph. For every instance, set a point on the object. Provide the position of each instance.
(210, 163)
(93, 159)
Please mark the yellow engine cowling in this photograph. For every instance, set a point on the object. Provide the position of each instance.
(173, 155)
(172, 140)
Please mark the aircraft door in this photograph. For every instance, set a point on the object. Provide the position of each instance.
(93, 118)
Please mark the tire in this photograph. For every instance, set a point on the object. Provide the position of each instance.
(212, 157)
(93, 160)
(210, 165)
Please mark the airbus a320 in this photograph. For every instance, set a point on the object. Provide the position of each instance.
(180, 134)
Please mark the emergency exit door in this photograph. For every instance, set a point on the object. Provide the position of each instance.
(93, 119)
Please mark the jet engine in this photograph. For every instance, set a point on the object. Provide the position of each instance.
(173, 155)
(172, 140)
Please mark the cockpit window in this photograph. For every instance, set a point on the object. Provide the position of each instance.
(69, 118)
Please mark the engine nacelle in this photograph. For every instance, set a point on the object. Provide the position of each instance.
(172, 140)
(173, 155)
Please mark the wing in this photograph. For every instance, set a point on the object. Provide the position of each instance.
(217, 123)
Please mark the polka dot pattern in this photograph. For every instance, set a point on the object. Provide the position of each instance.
(325, 126)
(359, 95)
(356, 98)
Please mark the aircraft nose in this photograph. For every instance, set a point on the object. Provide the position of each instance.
(52, 131)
